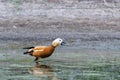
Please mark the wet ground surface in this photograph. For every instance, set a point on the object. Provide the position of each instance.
(65, 64)
(91, 30)
(91, 51)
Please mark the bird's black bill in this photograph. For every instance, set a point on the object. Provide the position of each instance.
(63, 43)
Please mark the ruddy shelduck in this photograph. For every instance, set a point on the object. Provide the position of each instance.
(43, 51)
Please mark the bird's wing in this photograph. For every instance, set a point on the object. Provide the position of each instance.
(39, 48)
(37, 52)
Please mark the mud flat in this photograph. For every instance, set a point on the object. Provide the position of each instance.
(85, 24)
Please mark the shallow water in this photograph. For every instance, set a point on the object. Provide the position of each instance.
(65, 64)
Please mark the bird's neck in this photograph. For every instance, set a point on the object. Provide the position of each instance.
(53, 46)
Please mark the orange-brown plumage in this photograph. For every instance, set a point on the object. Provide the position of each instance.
(43, 51)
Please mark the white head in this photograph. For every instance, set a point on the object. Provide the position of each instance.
(57, 42)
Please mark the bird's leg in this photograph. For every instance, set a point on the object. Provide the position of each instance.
(36, 59)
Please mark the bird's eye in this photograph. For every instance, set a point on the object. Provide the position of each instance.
(60, 40)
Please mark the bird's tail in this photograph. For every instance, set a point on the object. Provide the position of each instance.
(28, 47)
(29, 52)
(26, 53)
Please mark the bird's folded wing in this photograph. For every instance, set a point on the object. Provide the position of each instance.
(39, 48)
(37, 53)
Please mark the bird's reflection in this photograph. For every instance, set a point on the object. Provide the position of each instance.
(43, 70)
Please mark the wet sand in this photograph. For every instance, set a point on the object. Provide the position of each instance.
(92, 41)
(66, 64)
